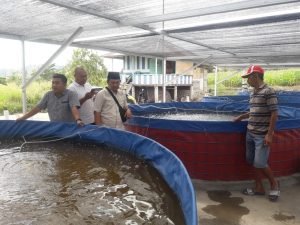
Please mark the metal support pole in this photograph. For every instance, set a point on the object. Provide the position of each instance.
(124, 63)
(205, 85)
(57, 53)
(229, 76)
(216, 79)
(155, 65)
(164, 80)
(24, 102)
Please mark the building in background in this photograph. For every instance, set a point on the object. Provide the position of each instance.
(145, 79)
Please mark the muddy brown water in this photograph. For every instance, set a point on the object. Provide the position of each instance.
(283, 217)
(229, 210)
(70, 183)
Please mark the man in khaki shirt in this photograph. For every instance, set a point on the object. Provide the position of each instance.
(106, 109)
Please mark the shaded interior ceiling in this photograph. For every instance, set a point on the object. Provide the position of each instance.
(221, 32)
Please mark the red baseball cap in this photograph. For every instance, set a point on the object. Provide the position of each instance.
(252, 69)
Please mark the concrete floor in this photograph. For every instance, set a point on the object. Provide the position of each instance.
(220, 206)
(39, 117)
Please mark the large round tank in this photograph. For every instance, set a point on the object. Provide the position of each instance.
(215, 150)
(163, 160)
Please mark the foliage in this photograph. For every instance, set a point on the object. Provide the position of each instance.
(11, 95)
(47, 74)
(15, 77)
(289, 77)
(283, 78)
(3, 80)
(91, 62)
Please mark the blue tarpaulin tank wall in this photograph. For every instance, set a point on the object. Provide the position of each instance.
(167, 164)
(215, 150)
(285, 98)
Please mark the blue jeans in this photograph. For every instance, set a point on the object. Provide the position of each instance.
(257, 153)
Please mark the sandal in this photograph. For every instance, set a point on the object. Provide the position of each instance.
(274, 194)
(251, 192)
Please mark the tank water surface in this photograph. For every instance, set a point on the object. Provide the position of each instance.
(67, 183)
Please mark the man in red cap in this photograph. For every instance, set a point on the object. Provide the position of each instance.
(262, 119)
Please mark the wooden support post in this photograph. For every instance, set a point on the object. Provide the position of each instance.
(133, 92)
(156, 93)
(175, 93)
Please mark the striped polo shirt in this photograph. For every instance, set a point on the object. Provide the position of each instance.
(263, 101)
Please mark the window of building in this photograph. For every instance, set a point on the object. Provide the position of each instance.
(149, 63)
(138, 62)
(143, 63)
(128, 62)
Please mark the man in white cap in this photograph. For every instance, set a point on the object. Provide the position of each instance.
(110, 104)
(260, 130)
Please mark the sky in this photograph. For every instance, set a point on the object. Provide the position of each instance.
(38, 54)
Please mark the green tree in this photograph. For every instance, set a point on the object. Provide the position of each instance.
(15, 77)
(91, 62)
(47, 74)
(3, 81)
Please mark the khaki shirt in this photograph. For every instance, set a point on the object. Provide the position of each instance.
(108, 108)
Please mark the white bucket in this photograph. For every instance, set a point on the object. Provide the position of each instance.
(6, 114)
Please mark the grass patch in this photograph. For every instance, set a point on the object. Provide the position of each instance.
(280, 79)
(11, 96)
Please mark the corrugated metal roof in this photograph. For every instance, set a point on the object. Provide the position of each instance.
(232, 32)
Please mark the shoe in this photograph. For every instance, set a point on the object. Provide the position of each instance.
(275, 193)
(251, 192)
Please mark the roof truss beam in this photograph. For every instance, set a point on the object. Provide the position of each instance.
(57, 53)
(230, 7)
(140, 23)
(171, 33)
(241, 23)
(10, 36)
(98, 47)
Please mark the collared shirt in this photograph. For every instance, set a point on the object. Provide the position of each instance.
(105, 104)
(87, 108)
(59, 107)
(263, 101)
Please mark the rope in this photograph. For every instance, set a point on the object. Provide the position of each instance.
(184, 109)
(149, 116)
(56, 139)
